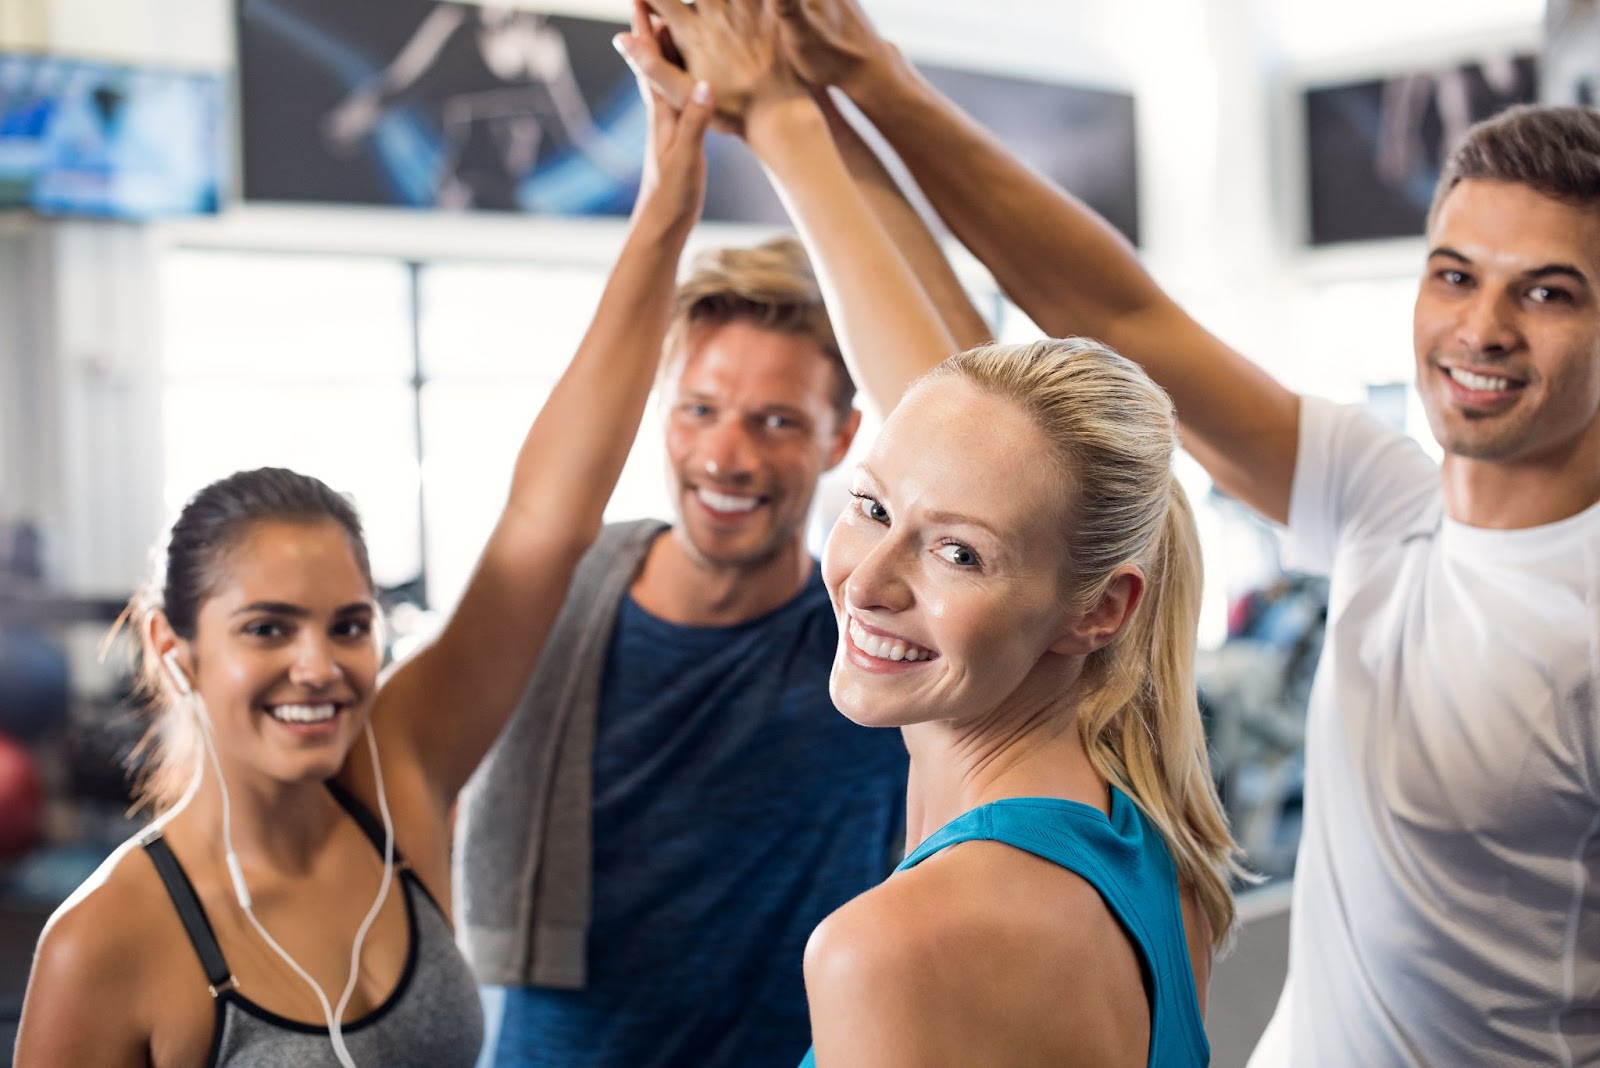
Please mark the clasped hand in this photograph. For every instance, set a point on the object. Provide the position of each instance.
(752, 52)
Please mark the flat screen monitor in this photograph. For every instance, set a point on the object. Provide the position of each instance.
(81, 137)
(1374, 147)
(435, 104)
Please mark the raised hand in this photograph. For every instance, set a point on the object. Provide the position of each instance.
(828, 42)
(674, 164)
(731, 44)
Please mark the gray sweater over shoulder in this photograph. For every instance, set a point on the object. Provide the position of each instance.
(523, 857)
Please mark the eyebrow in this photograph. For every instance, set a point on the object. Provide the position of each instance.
(798, 414)
(700, 397)
(283, 608)
(1564, 269)
(948, 518)
(957, 518)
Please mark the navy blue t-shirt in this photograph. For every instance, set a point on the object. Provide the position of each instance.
(734, 808)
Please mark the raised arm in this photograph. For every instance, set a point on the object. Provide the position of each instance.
(449, 702)
(1061, 263)
(908, 230)
(888, 328)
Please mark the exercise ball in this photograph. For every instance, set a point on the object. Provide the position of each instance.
(21, 799)
(35, 683)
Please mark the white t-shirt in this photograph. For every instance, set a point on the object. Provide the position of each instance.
(1447, 893)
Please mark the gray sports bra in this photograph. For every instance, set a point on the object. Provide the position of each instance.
(433, 1017)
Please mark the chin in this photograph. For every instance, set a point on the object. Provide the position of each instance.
(862, 710)
(306, 772)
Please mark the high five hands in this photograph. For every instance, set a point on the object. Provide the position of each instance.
(674, 176)
(752, 52)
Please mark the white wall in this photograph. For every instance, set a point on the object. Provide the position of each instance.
(1213, 80)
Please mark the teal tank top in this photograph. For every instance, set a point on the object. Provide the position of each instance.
(1125, 858)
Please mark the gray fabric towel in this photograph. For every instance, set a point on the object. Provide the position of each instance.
(523, 858)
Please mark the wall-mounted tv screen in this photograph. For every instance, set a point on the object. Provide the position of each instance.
(1374, 148)
(80, 137)
(438, 104)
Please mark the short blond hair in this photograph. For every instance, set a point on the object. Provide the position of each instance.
(770, 286)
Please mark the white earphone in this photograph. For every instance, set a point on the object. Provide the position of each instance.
(181, 683)
(180, 678)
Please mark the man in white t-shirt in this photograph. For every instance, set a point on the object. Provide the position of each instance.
(1447, 896)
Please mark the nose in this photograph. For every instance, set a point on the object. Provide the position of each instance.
(1488, 324)
(726, 452)
(315, 667)
(879, 578)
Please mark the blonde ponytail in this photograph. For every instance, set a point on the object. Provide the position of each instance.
(1114, 433)
(1144, 732)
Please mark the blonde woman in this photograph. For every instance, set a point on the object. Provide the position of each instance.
(1017, 589)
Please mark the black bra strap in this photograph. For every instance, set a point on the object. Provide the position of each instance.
(191, 912)
(369, 824)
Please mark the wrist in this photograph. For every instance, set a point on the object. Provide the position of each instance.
(659, 215)
(881, 80)
(772, 124)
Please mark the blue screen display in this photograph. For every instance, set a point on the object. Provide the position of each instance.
(79, 137)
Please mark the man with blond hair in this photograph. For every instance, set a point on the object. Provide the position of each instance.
(677, 804)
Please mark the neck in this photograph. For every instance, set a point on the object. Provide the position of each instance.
(1021, 751)
(1517, 495)
(682, 587)
(283, 826)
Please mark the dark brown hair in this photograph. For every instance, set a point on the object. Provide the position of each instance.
(1552, 150)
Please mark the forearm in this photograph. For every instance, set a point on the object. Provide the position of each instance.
(888, 327)
(1073, 274)
(1062, 264)
(577, 446)
(909, 232)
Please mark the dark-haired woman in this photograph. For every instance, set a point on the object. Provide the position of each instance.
(289, 905)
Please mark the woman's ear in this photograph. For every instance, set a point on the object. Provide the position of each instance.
(170, 651)
(1105, 619)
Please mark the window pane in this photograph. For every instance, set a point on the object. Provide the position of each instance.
(359, 438)
(473, 431)
(517, 321)
(265, 316)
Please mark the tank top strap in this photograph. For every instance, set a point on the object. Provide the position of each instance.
(974, 825)
(369, 824)
(1123, 856)
(1119, 855)
(190, 912)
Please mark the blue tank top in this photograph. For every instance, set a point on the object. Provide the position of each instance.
(1125, 858)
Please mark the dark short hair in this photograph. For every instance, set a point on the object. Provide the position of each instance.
(1554, 150)
(217, 518)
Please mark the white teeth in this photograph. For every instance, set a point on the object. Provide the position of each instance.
(886, 648)
(1482, 383)
(723, 502)
(303, 713)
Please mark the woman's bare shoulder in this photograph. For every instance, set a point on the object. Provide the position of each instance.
(979, 942)
(118, 924)
(98, 961)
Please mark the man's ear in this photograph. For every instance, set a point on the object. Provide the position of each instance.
(843, 437)
(1105, 619)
